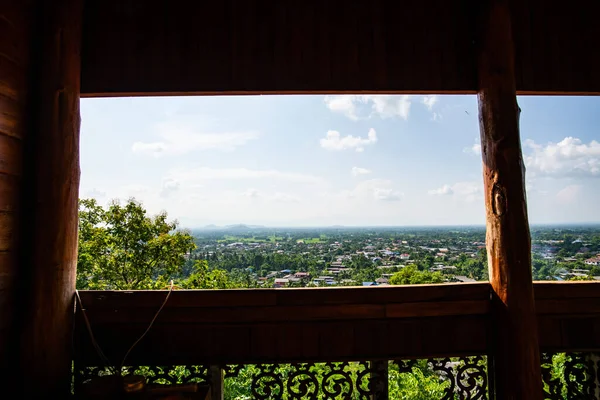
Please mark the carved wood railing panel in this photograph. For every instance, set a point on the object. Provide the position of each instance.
(465, 377)
(571, 376)
(444, 378)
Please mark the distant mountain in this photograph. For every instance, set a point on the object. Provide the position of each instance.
(244, 226)
(237, 227)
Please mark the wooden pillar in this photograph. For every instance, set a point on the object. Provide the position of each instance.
(516, 353)
(15, 33)
(379, 382)
(50, 202)
(217, 388)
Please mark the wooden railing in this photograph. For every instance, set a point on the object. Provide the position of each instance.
(279, 326)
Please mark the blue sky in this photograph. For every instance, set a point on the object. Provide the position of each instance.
(331, 160)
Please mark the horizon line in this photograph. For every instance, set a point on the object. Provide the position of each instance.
(256, 226)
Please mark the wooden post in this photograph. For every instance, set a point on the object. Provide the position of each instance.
(15, 25)
(217, 389)
(516, 352)
(50, 203)
(379, 380)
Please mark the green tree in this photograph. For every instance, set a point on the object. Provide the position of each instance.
(203, 278)
(581, 278)
(420, 384)
(121, 247)
(410, 275)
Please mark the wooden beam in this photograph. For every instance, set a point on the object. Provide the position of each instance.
(51, 184)
(515, 352)
(106, 299)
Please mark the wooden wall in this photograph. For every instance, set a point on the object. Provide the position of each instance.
(15, 20)
(280, 46)
(568, 315)
(253, 326)
(39, 183)
(282, 325)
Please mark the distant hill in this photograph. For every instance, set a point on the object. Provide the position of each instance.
(237, 227)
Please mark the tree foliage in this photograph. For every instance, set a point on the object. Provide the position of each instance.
(204, 278)
(410, 275)
(122, 247)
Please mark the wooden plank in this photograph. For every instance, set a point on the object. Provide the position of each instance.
(11, 155)
(289, 342)
(310, 341)
(285, 297)
(551, 60)
(9, 229)
(573, 306)
(385, 294)
(9, 193)
(15, 20)
(580, 333)
(516, 351)
(8, 274)
(51, 184)
(243, 314)
(264, 46)
(99, 299)
(217, 388)
(12, 117)
(13, 80)
(549, 328)
(372, 338)
(436, 309)
(12, 46)
(285, 342)
(335, 339)
(17, 14)
(566, 290)
(264, 340)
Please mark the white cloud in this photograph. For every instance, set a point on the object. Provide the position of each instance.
(430, 101)
(568, 158)
(356, 171)
(180, 139)
(276, 197)
(568, 194)
(205, 173)
(444, 190)
(387, 194)
(169, 186)
(468, 190)
(373, 189)
(334, 141)
(345, 104)
(390, 106)
(358, 107)
(251, 193)
(474, 149)
(93, 193)
(285, 198)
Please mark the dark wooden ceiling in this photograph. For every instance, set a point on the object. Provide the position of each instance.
(142, 47)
